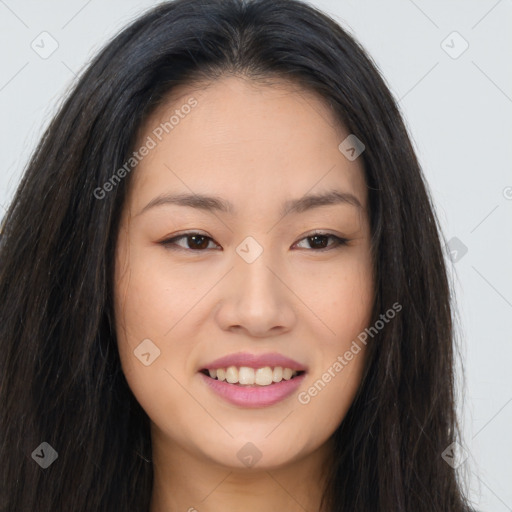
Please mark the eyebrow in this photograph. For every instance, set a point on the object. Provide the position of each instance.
(216, 203)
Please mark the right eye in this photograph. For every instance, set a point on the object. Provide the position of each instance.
(194, 241)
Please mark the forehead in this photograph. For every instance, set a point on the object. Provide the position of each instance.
(245, 139)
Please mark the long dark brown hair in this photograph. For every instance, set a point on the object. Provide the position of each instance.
(61, 377)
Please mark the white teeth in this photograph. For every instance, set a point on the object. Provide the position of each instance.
(263, 376)
(287, 374)
(277, 375)
(246, 376)
(232, 374)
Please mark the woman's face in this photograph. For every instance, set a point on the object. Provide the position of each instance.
(251, 282)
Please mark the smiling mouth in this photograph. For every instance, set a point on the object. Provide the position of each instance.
(245, 376)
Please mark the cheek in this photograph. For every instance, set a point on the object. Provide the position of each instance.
(326, 400)
(139, 318)
(150, 303)
(341, 298)
(144, 312)
(152, 297)
(345, 304)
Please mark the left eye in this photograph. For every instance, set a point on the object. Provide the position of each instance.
(319, 241)
(198, 242)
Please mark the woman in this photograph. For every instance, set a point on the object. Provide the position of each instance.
(222, 281)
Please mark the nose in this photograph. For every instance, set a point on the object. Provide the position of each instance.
(256, 299)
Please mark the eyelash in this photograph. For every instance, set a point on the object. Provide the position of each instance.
(171, 242)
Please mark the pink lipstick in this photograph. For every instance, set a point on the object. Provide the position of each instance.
(254, 396)
(250, 380)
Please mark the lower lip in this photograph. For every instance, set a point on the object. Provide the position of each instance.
(254, 396)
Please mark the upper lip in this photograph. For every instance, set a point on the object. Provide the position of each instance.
(255, 361)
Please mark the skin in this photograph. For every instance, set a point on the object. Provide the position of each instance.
(256, 145)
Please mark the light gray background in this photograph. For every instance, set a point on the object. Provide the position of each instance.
(459, 113)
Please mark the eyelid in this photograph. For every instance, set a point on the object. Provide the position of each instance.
(169, 242)
(339, 241)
